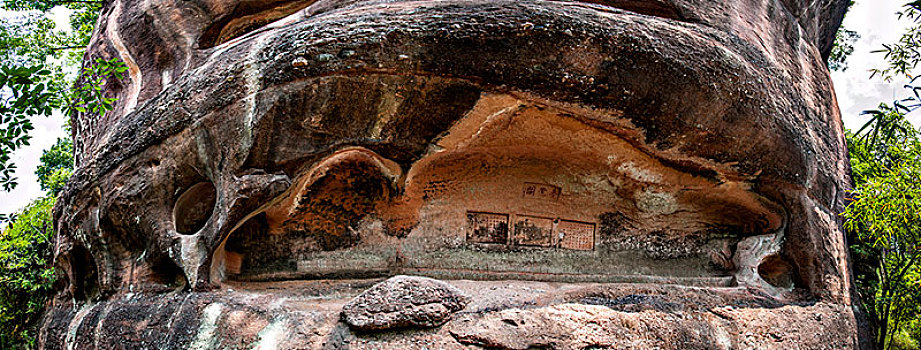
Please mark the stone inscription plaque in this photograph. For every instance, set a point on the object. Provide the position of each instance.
(576, 235)
(541, 191)
(487, 228)
(533, 231)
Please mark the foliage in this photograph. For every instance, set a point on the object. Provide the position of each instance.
(88, 95)
(26, 275)
(25, 96)
(885, 213)
(31, 37)
(884, 221)
(36, 57)
(903, 56)
(903, 340)
(843, 47)
(55, 166)
(34, 33)
(30, 97)
(882, 141)
(26, 39)
(37, 77)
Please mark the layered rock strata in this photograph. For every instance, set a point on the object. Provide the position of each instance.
(265, 158)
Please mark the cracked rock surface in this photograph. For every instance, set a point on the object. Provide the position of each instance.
(404, 301)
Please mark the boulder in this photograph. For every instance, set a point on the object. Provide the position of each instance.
(404, 302)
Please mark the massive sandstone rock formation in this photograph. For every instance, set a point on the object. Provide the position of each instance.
(607, 173)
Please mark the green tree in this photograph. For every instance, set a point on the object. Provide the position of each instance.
(30, 97)
(56, 164)
(34, 81)
(885, 215)
(883, 219)
(902, 57)
(26, 275)
(32, 37)
(34, 77)
(843, 47)
(885, 143)
(25, 96)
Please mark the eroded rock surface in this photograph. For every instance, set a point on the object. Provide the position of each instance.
(257, 144)
(580, 326)
(404, 302)
(501, 314)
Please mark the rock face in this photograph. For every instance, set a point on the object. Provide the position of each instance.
(579, 326)
(402, 302)
(637, 145)
(501, 314)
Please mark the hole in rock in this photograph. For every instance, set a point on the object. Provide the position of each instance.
(776, 271)
(85, 274)
(161, 274)
(194, 208)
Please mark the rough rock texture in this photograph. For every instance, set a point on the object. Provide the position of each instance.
(404, 301)
(577, 326)
(678, 143)
(501, 315)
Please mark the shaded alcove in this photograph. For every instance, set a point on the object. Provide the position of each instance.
(777, 272)
(194, 208)
(159, 275)
(84, 274)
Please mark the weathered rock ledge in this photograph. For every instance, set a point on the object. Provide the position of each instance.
(501, 314)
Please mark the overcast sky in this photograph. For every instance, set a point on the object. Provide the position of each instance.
(877, 24)
(874, 20)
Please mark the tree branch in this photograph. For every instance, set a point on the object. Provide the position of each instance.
(61, 48)
(907, 267)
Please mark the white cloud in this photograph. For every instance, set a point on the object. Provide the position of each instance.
(877, 24)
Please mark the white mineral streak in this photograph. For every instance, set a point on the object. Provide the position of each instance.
(501, 101)
(74, 325)
(205, 338)
(387, 109)
(134, 72)
(191, 256)
(252, 75)
(100, 323)
(172, 318)
(750, 252)
(488, 109)
(721, 335)
(165, 80)
(271, 335)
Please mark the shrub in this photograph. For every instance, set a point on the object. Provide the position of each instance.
(26, 273)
